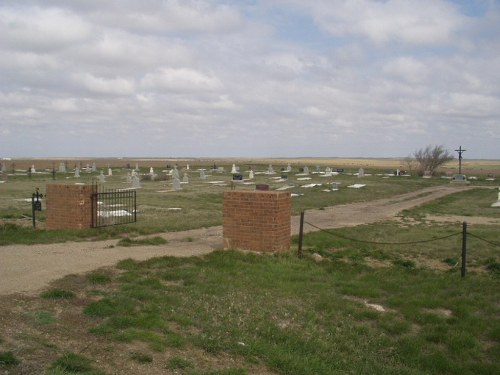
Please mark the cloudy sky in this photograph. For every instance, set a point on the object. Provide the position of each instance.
(249, 78)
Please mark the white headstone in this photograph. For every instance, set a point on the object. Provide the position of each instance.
(306, 170)
(33, 170)
(94, 167)
(175, 173)
(250, 175)
(177, 184)
(77, 172)
(497, 203)
(187, 167)
(62, 167)
(136, 183)
(129, 178)
(270, 169)
(202, 175)
(102, 179)
(361, 172)
(151, 171)
(136, 166)
(233, 169)
(288, 168)
(110, 172)
(185, 178)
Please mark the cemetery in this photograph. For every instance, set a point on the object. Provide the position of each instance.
(367, 281)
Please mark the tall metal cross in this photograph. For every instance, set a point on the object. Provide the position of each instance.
(460, 151)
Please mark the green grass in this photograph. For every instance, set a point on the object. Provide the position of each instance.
(98, 278)
(71, 363)
(57, 294)
(8, 359)
(129, 242)
(302, 317)
(179, 363)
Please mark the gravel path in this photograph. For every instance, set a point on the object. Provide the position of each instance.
(29, 268)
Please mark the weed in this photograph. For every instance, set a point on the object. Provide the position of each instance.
(128, 242)
(141, 357)
(8, 359)
(58, 294)
(71, 363)
(178, 363)
(98, 278)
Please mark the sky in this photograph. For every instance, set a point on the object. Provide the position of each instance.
(249, 78)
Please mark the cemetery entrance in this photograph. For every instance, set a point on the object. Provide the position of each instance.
(113, 207)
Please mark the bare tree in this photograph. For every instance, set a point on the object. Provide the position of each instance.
(431, 158)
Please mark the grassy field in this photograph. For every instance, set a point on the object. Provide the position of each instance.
(354, 304)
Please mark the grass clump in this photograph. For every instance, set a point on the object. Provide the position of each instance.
(141, 357)
(58, 294)
(179, 363)
(8, 359)
(71, 363)
(98, 278)
(154, 241)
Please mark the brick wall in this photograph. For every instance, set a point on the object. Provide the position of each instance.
(69, 206)
(257, 220)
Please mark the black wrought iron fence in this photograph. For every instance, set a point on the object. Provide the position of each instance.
(113, 207)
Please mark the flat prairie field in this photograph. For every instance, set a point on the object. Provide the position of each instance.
(473, 166)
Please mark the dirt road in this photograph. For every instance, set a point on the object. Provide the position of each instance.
(27, 269)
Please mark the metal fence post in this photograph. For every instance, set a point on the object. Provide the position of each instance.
(301, 233)
(464, 249)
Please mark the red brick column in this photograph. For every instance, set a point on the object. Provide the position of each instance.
(257, 220)
(69, 206)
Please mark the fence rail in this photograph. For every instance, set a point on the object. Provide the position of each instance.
(113, 207)
(464, 234)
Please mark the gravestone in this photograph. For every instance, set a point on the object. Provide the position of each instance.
(4, 168)
(288, 168)
(202, 175)
(177, 184)
(151, 171)
(270, 169)
(102, 178)
(185, 178)
(136, 183)
(306, 170)
(94, 167)
(233, 169)
(88, 170)
(361, 172)
(62, 167)
(33, 170)
(129, 178)
(136, 166)
(110, 172)
(328, 172)
(175, 173)
(77, 172)
(497, 203)
(187, 167)
(250, 175)
(318, 169)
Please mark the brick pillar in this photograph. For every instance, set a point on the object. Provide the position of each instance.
(69, 206)
(257, 220)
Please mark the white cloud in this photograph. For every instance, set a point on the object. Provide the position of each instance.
(100, 85)
(182, 79)
(40, 29)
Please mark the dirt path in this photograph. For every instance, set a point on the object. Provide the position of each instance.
(29, 268)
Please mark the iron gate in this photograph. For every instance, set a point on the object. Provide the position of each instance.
(113, 207)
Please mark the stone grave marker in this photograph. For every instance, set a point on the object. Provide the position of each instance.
(185, 178)
(251, 175)
(203, 175)
(102, 178)
(110, 172)
(361, 172)
(136, 182)
(77, 172)
(177, 184)
(497, 203)
(233, 169)
(94, 167)
(306, 170)
(62, 167)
